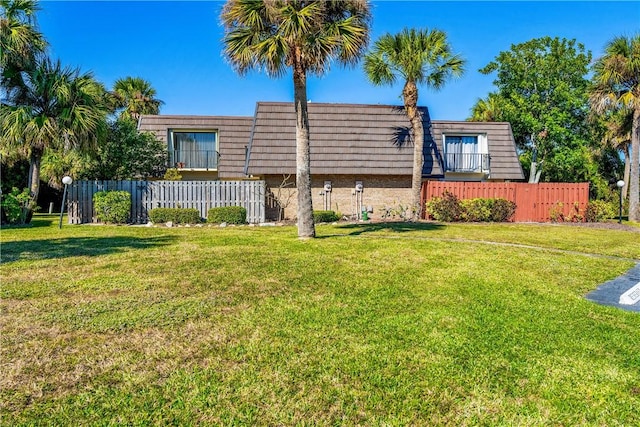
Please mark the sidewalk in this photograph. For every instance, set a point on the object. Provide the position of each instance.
(609, 293)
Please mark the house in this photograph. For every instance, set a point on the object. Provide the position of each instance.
(361, 155)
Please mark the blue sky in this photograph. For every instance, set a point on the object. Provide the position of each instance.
(177, 47)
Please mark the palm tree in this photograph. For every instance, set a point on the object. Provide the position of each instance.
(618, 136)
(617, 87)
(304, 36)
(20, 41)
(418, 57)
(135, 96)
(486, 110)
(56, 108)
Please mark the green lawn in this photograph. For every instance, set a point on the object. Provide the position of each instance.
(372, 324)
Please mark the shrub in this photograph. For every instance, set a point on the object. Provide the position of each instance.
(175, 215)
(449, 208)
(228, 214)
(172, 174)
(599, 210)
(476, 210)
(502, 210)
(446, 208)
(325, 216)
(17, 205)
(112, 206)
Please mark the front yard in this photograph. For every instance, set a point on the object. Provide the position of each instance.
(369, 324)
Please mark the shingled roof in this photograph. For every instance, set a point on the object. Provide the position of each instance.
(233, 132)
(364, 140)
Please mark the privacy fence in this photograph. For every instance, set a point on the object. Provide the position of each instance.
(147, 195)
(534, 202)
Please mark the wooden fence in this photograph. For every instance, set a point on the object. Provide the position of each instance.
(146, 195)
(534, 202)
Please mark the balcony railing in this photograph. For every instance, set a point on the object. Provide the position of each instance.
(194, 159)
(466, 163)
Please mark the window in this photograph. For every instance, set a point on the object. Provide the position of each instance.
(466, 153)
(193, 149)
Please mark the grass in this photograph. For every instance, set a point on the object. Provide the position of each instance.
(370, 324)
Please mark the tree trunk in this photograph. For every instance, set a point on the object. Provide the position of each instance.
(306, 228)
(627, 171)
(35, 159)
(410, 97)
(634, 178)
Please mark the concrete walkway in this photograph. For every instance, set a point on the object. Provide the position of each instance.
(609, 293)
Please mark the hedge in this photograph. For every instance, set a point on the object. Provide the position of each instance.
(325, 216)
(228, 214)
(449, 208)
(175, 215)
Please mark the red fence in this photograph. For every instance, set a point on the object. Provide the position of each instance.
(535, 202)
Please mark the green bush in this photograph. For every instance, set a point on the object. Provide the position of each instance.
(175, 215)
(112, 206)
(228, 214)
(502, 210)
(325, 216)
(17, 205)
(476, 210)
(599, 210)
(446, 208)
(449, 208)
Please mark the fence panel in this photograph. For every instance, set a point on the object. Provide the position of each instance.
(147, 195)
(535, 202)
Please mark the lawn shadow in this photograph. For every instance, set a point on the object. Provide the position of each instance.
(75, 246)
(396, 227)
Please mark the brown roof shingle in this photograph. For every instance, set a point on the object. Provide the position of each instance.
(234, 134)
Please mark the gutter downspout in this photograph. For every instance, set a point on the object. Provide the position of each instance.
(247, 154)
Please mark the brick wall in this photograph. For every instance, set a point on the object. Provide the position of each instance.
(378, 192)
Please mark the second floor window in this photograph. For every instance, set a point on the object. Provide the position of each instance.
(465, 153)
(194, 150)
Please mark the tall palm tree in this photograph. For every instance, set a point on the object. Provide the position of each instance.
(135, 96)
(56, 108)
(303, 36)
(419, 57)
(20, 40)
(616, 87)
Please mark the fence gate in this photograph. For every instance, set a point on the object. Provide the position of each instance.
(147, 195)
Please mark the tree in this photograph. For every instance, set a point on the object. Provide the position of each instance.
(486, 110)
(616, 86)
(55, 108)
(305, 37)
(127, 154)
(20, 41)
(418, 57)
(542, 92)
(135, 96)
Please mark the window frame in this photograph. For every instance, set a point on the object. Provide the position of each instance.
(181, 162)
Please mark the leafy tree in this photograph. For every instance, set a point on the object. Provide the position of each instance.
(616, 86)
(127, 154)
(303, 36)
(542, 92)
(20, 41)
(55, 108)
(134, 97)
(419, 57)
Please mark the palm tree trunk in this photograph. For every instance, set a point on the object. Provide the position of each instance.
(306, 228)
(34, 180)
(627, 171)
(410, 97)
(634, 178)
